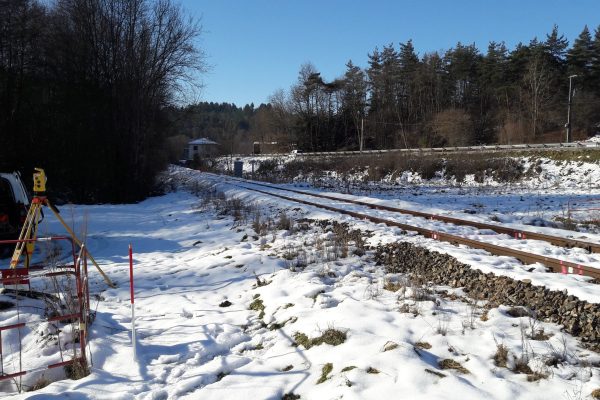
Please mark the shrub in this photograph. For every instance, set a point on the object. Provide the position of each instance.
(258, 306)
(331, 336)
(327, 368)
(77, 370)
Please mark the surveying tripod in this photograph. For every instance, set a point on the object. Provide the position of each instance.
(30, 227)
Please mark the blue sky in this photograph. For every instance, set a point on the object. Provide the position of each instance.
(256, 47)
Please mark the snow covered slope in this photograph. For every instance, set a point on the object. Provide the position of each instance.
(239, 295)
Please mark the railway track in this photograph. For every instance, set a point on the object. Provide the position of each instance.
(555, 264)
(571, 146)
(592, 247)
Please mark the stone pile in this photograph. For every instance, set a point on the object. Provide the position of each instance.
(578, 317)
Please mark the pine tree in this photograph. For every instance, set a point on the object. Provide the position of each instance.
(493, 67)
(492, 80)
(462, 62)
(354, 98)
(579, 57)
(554, 49)
(374, 73)
(409, 60)
(595, 62)
(556, 46)
(408, 86)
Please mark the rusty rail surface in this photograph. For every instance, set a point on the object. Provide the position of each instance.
(592, 247)
(556, 265)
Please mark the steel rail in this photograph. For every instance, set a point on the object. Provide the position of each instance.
(449, 149)
(556, 265)
(592, 247)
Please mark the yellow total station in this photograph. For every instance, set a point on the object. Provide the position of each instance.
(39, 181)
(25, 245)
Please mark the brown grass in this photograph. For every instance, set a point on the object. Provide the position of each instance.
(448, 363)
(77, 370)
(423, 345)
(536, 376)
(501, 356)
(40, 383)
(390, 346)
(391, 285)
(521, 367)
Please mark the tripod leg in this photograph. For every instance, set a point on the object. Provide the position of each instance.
(79, 243)
(30, 246)
(29, 228)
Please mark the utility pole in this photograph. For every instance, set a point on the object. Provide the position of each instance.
(568, 124)
(362, 132)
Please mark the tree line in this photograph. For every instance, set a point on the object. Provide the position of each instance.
(88, 87)
(85, 86)
(456, 97)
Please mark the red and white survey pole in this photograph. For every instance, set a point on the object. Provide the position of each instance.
(132, 303)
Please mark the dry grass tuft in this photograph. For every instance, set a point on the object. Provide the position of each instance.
(536, 376)
(390, 346)
(436, 373)
(540, 335)
(331, 336)
(484, 316)
(448, 363)
(258, 306)
(521, 366)
(327, 368)
(40, 383)
(77, 370)
(501, 356)
(392, 286)
(301, 339)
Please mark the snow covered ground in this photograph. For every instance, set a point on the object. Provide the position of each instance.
(223, 298)
(550, 193)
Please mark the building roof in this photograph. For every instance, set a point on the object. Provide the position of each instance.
(202, 141)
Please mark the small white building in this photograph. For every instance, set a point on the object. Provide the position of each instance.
(201, 147)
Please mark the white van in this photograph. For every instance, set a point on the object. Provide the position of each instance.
(14, 203)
